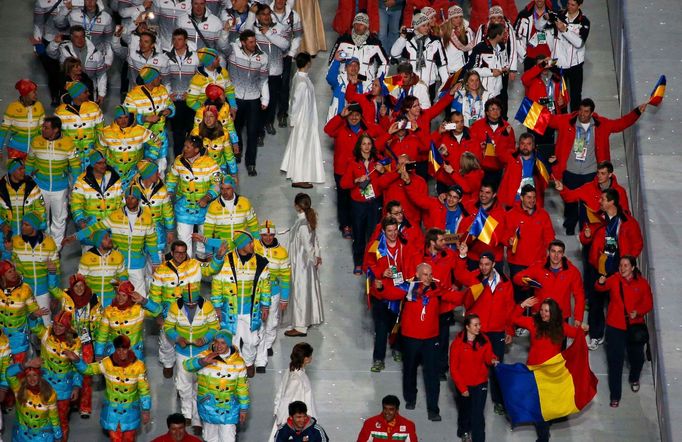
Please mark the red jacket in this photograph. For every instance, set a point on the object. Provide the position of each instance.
(412, 145)
(394, 188)
(404, 260)
(500, 137)
(441, 7)
(494, 308)
(590, 194)
(470, 183)
(469, 365)
(433, 210)
(480, 9)
(496, 246)
(535, 234)
(420, 319)
(345, 13)
(455, 149)
(511, 180)
(637, 294)
(536, 89)
(369, 106)
(541, 349)
(345, 140)
(409, 233)
(356, 169)
(630, 241)
(443, 267)
(376, 429)
(557, 285)
(604, 127)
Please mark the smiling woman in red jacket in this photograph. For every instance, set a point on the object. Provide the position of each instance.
(361, 178)
(471, 355)
(630, 299)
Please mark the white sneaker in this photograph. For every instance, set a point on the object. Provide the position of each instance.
(522, 332)
(594, 344)
(600, 341)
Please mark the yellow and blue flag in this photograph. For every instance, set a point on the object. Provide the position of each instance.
(561, 386)
(658, 92)
(533, 115)
(435, 160)
(483, 226)
(489, 146)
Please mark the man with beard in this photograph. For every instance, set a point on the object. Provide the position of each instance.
(522, 168)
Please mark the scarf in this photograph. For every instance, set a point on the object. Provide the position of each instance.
(359, 39)
(421, 45)
(454, 39)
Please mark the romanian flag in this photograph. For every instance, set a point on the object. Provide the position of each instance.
(452, 79)
(542, 170)
(393, 82)
(517, 237)
(592, 216)
(476, 290)
(379, 246)
(483, 226)
(658, 92)
(489, 146)
(531, 282)
(435, 160)
(561, 386)
(533, 115)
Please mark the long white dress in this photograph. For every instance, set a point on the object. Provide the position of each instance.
(303, 157)
(295, 386)
(305, 300)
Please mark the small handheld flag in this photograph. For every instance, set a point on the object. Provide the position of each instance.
(452, 79)
(659, 92)
(483, 227)
(517, 237)
(533, 115)
(542, 170)
(393, 82)
(489, 147)
(531, 282)
(435, 159)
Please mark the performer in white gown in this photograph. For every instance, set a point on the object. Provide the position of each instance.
(303, 157)
(295, 386)
(305, 298)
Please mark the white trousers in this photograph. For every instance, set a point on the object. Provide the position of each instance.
(185, 234)
(269, 333)
(220, 433)
(249, 339)
(138, 278)
(44, 301)
(166, 350)
(186, 384)
(56, 207)
(162, 163)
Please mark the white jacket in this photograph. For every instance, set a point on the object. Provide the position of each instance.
(569, 47)
(96, 64)
(371, 55)
(434, 64)
(511, 46)
(457, 58)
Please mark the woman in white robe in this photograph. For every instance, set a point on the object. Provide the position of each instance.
(302, 160)
(295, 386)
(305, 298)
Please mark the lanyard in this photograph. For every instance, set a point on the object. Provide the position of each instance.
(474, 105)
(395, 258)
(549, 87)
(90, 25)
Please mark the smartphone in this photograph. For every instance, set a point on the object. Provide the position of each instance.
(343, 55)
(450, 126)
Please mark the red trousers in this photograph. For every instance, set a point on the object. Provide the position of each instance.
(122, 436)
(86, 389)
(64, 408)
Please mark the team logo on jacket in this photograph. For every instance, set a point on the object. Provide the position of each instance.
(403, 428)
(377, 425)
(205, 26)
(99, 20)
(156, 61)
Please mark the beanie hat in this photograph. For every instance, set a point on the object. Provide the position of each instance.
(457, 189)
(225, 336)
(419, 19)
(95, 156)
(14, 165)
(207, 56)
(148, 74)
(75, 89)
(268, 228)
(33, 220)
(214, 92)
(455, 11)
(429, 12)
(63, 318)
(495, 11)
(488, 255)
(5, 266)
(126, 288)
(242, 239)
(122, 341)
(361, 18)
(147, 169)
(135, 192)
(228, 180)
(120, 111)
(99, 235)
(25, 87)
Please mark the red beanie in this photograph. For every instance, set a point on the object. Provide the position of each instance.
(5, 266)
(213, 92)
(126, 287)
(25, 86)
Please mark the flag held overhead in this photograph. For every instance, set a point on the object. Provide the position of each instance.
(533, 115)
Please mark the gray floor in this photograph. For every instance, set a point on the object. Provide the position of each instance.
(345, 390)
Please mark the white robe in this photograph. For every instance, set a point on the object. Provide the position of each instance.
(305, 300)
(295, 386)
(303, 157)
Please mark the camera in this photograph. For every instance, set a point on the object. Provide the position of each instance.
(408, 31)
(343, 55)
(411, 166)
(450, 126)
(552, 16)
(610, 249)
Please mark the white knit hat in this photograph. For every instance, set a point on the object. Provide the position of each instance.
(361, 18)
(455, 11)
(429, 12)
(419, 19)
(495, 11)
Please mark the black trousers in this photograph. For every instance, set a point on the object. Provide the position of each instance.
(125, 81)
(616, 346)
(444, 322)
(574, 82)
(497, 341)
(471, 412)
(249, 115)
(343, 207)
(426, 351)
(572, 210)
(284, 90)
(274, 86)
(384, 320)
(504, 96)
(181, 125)
(521, 293)
(51, 67)
(365, 219)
